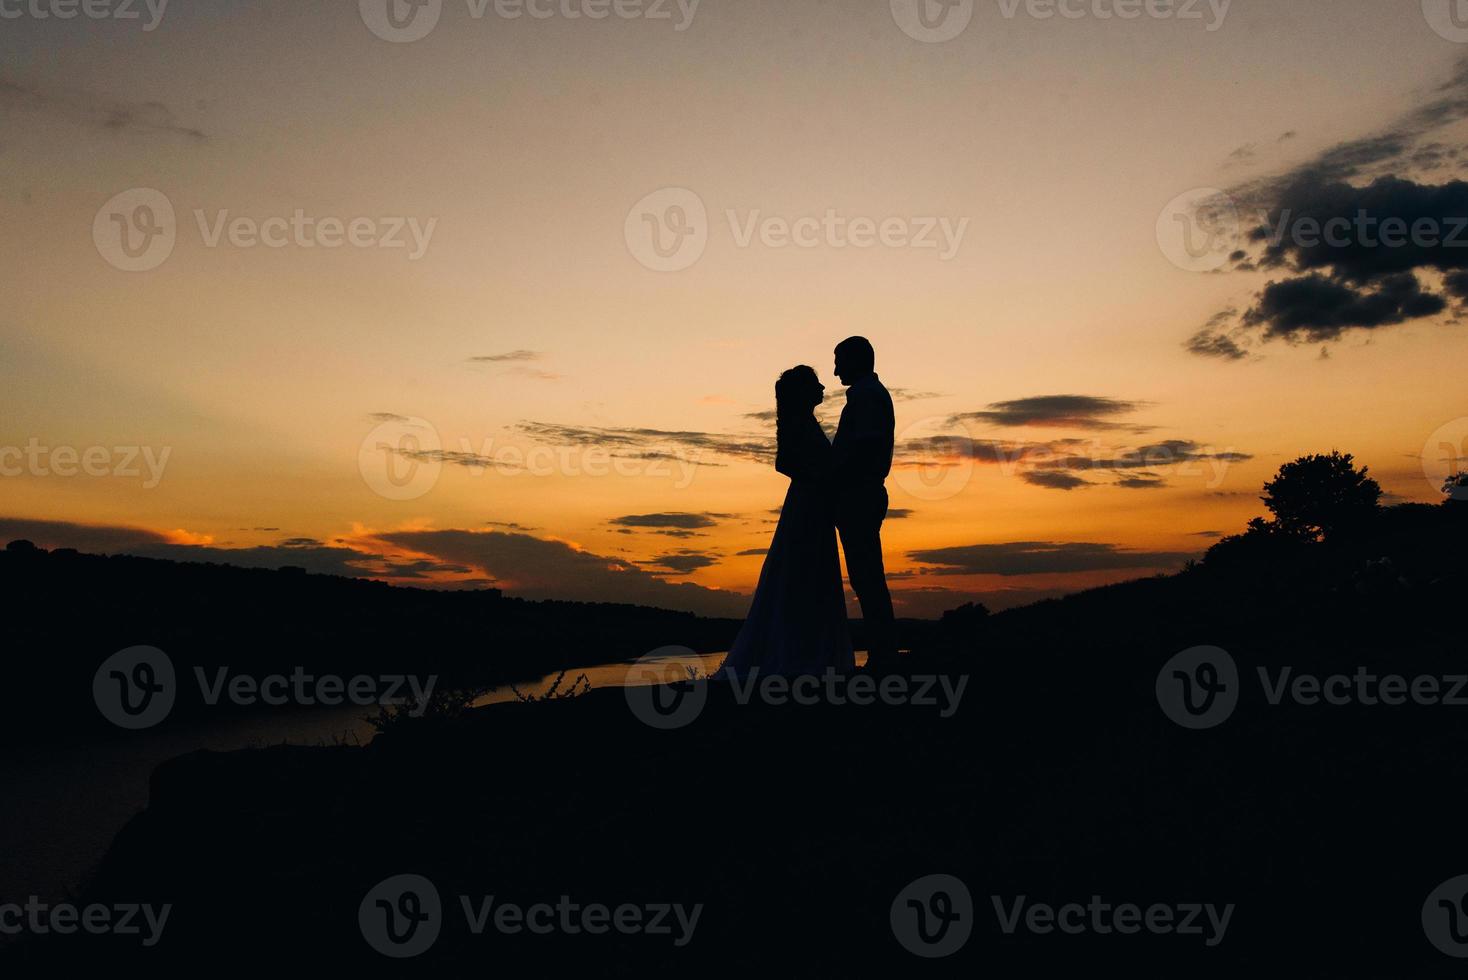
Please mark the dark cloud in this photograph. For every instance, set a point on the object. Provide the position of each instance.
(898, 513)
(1141, 483)
(752, 552)
(308, 553)
(536, 568)
(675, 520)
(510, 526)
(1353, 227)
(1018, 558)
(930, 450)
(681, 563)
(640, 443)
(97, 111)
(1315, 308)
(1054, 411)
(83, 537)
(1169, 452)
(1054, 480)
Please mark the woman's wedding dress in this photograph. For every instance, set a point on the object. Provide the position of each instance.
(797, 622)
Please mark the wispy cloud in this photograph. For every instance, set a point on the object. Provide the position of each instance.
(96, 111)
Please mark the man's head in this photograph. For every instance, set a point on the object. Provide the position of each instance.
(855, 360)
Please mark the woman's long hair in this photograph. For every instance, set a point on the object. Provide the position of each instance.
(794, 402)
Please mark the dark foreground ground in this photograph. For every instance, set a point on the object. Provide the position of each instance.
(1059, 779)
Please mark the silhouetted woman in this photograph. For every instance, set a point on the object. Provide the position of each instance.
(797, 622)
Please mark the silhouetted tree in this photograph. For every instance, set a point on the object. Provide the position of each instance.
(1321, 496)
(1456, 489)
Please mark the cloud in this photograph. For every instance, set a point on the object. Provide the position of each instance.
(1018, 558)
(509, 357)
(908, 395)
(752, 552)
(1054, 480)
(642, 443)
(308, 553)
(1054, 411)
(677, 520)
(96, 111)
(1169, 452)
(1353, 228)
(1315, 308)
(83, 537)
(681, 562)
(898, 513)
(510, 526)
(1141, 483)
(539, 568)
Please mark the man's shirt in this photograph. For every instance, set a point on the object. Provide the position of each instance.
(863, 443)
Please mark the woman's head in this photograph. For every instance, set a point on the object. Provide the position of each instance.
(798, 391)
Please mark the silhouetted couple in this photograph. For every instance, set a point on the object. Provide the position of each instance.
(797, 622)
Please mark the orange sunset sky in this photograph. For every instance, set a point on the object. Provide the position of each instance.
(519, 396)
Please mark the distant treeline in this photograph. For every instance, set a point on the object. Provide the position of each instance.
(67, 612)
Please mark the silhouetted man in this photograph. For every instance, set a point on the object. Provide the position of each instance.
(863, 458)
